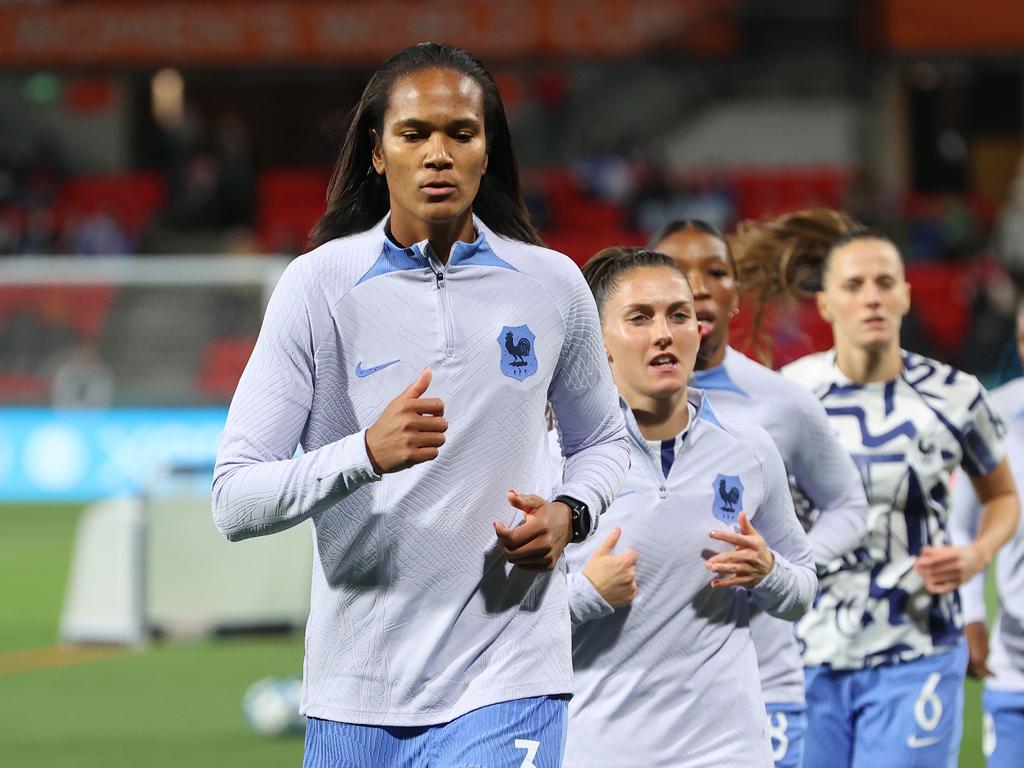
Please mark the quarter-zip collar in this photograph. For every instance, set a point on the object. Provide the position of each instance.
(420, 254)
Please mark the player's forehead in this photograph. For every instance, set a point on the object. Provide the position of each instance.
(693, 247)
(655, 287)
(866, 258)
(435, 96)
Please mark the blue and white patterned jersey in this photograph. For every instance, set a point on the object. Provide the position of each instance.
(819, 468)
(416, 617)
(1006, 645)
(670, 680)
(906, 436)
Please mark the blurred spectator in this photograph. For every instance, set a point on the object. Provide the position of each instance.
(98, 234)
(81, 379)
(1009, 239)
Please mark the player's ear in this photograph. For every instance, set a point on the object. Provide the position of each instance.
(906, 298)
(823, 308)
(483, 167)
(377, 153)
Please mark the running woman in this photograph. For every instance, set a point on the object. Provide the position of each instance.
(1002, 666)
(410, 355)
(883, 651)
(745, 391)
(670, 678)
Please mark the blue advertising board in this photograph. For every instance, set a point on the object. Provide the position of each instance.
(55, 455)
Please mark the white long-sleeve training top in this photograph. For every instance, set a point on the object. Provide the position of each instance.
(822, 474)
(1006, 648)
(671, 679)
(415, 615)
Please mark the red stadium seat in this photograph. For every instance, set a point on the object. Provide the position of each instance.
(222, 364)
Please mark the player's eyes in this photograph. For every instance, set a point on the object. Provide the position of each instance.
(636, 319)
(464, 137)
(412, 135)
(680, 317)
(717, 273)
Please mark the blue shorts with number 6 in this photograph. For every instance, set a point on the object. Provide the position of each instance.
(787, 724)
(525, 733)
(1003, 740)
(905, 715)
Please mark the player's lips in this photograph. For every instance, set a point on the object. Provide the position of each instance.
(707, 320)
(666, 361)
(875, 321)
(438, 188)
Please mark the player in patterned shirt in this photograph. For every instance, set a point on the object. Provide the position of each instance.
(410, 355)
(670, 678)
(743, 390)
(1002, 667)
(883, 649)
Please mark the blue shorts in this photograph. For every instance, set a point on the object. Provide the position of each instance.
(525, 733)
(1003, 740)
(905, 715)
(787, 725)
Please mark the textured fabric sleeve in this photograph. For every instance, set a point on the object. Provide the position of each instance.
(259, 486)
(825, 473)
(585, 602)
(982, 433)
(964, 520)
(788, 591)
(592, 431)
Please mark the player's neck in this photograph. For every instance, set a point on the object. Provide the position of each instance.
(661, 419)
(869, 365)
(708, 359)
(442, 235)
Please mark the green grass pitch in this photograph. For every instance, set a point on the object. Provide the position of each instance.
(164, 705)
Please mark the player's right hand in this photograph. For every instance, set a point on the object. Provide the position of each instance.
(977, 646)
(409, 431)
(613, 576)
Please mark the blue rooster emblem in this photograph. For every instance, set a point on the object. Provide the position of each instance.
(518, 348)
(728, 499)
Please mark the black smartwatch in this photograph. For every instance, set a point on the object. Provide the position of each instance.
(581, 522)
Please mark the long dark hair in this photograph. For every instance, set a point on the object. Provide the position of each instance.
(604, 270)
(357, 197)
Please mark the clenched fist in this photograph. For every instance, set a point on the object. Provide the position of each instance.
(409, 431)
(613, 576)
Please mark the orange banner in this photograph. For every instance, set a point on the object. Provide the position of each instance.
(952, 26)
(312, 32)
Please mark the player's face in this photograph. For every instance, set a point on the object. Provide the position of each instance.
(705, 261)
(650, 334)
(865, 294)
(432, 149)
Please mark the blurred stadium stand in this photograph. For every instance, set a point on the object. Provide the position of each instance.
(626, 113)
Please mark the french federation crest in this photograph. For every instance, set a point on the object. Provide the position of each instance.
(728, 501)
(518, 351)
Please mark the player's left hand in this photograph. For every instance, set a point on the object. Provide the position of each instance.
(537, 543)
(946, 568)
(747, 565)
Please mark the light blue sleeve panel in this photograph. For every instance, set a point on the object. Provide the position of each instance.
(964, 521)
(592, 431)
(259, 486)
(788, 591)
(827, 475)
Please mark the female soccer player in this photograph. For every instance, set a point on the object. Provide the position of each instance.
(823, 471)
(883, 652)
(671, 678)
(436, 635)
(1003, 667)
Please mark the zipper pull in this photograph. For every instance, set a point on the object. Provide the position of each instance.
(439, 278)
(663, 492)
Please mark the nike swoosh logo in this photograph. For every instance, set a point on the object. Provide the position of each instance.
(915, 743)
(362, 373)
